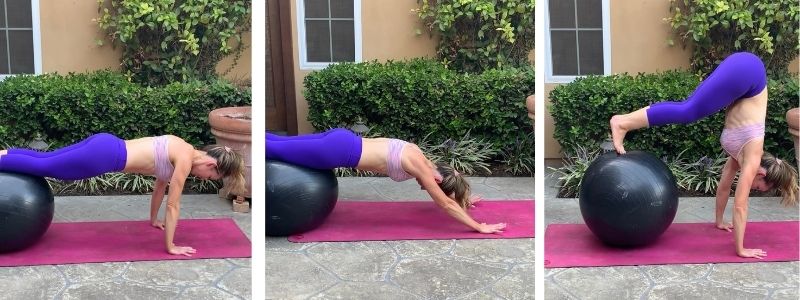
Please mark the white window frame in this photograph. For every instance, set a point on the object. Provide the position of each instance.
(548, 64)
(301, 36)
(37, 41)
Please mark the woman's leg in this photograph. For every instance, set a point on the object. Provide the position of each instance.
(98, 156)
(313, 136)
(332, 149)
(40, 154)
(740, 75)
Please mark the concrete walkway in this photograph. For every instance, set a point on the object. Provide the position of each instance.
(185, 279)
(446, 269)
(773, 280)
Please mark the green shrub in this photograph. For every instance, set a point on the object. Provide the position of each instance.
(69, 108)
(166, 41)
(715, 29)
(418, 98)
(479, 35)
(581, 111)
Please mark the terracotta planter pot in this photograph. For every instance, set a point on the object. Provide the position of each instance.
(232, 127)
(793, 120)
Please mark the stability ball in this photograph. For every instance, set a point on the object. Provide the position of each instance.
(26, 210)
(628, 200)
(298, 198)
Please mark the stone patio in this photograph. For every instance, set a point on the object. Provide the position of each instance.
(445, 269)
(184, 279)
(767, 280)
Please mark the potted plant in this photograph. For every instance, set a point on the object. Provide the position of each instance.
(231, 126)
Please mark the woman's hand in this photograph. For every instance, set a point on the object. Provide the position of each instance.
(181, 250)
(491, 228)
(752, 253)
(725, 226)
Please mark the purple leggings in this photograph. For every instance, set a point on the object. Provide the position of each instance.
(334, 148)
(740, 75)
(96, 155)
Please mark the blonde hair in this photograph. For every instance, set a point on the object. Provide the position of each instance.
(454, 184)
(230, 165)
(782, 176)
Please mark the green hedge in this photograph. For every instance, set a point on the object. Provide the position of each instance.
(581, 111)
(68, 108)
(411, 99)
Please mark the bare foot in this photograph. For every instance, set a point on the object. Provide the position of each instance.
(617, 133)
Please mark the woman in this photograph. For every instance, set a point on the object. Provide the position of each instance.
(167, 157)
(739, 85)
(398, 159)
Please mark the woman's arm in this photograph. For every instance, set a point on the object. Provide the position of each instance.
(155, 203)
(749, 167)
(183, 166)
(724, 192)
(420, 169)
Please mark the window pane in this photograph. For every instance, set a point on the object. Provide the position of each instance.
(342, 9)
(316, 8)
(2, 15)
(590, 14)
(3, 53)
(19, 13)
(591, 54)
(562, 14)
(344, 46)
(21, 48)
(318, 41)
(564, 53)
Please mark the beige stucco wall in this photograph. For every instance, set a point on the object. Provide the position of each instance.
(388, 32)
(69, 36)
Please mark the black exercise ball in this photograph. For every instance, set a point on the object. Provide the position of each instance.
(26, 210)
(298, 198)
(628, 200)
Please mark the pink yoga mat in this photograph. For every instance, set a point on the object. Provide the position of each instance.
(573, 245)
(417, 220)
(90, 242)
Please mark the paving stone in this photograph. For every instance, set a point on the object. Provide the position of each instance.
(519, 284)
(480, 295)
(704, 290)
(177, 273)
(553, 292)
(294, 276)
(756, 275)
(445, 277)
(364, 290)
(118, 290)
(360, 261)
(420, 248)
(786, 294)
(93, 272)
(603, 283)
(39, 282)
(500, 251)
(668, 274)
(206, 293)
(238, 282)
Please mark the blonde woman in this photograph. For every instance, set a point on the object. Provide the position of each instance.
(398, 159)
(167, 157)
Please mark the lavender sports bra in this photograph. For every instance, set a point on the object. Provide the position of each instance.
(394, 164)
(163, 167)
